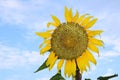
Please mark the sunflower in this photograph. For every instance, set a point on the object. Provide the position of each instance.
(71, 42)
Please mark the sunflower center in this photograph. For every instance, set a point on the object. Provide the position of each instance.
(69, 40)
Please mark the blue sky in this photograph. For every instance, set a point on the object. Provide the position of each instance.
(20, 19)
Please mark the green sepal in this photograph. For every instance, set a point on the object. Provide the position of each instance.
(43, 66)
(57, 76)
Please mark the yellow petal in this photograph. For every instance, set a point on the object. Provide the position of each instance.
(84, 63)
(50, 58)
(45, 49)
(90, 57)
(60, 63)
(73, 67)
(50, 30)
(93, 48)
(94, 33)
(81, 18)
(91, 23)
(75, 17)
(46, 41)
(56, 20)
(81, 71)
(88, 31)
(69, 68)
(96, 41)
(53, 62)
(81, 64)
(66, 14)
(86, 20)
(87, 64)
(86, 60)
(43, 34)
(40, 46)
(65, 68)
(70, 15)
(51, 23)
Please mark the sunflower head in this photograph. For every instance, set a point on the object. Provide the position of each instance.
(71, 42)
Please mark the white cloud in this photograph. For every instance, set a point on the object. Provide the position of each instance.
(11, 4)
(12, 11)
(22, 12)
(11, 57)
(110, 54)
(112, 46)
(102, 16)
(90, 71)
(111, 40)
(109, 72)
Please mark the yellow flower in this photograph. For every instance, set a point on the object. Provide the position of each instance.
(71, 42)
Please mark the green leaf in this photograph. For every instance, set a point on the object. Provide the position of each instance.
(57, 76)
(43, 66)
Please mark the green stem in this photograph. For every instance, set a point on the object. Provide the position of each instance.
(78, 75)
